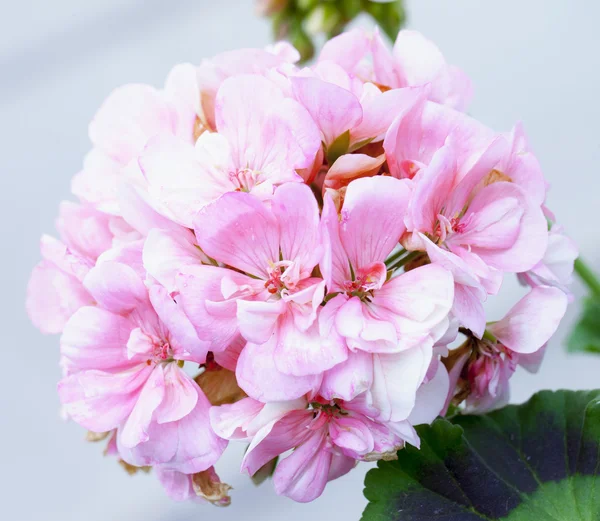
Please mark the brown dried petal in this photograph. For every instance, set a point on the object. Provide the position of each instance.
(208, 485)
(220, 386)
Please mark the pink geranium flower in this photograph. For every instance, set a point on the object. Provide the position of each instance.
(348, 113)
(212, 73)
(328, 437)
(556, 268)
(389, 325)
(55, 290)
(414, 61)
(123, 125)
(476, 224)
(122, 361)
(486, 365)
(255, 149)
(269, 295)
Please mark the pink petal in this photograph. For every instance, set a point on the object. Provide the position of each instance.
(303, 353)
(130, 116)
(96, 339)
(347, 49)
(468, 309)
(258, 320)
(384, 67)
(179, 183)
(295, 207)
(85, 230)
(373, 218)
(188, 445)
(177, 485)
(352, 436)
(350, 378)
(416, 302)
(523, 167)
(213, 315)
(418, 59)
(182, 336)
(135, 429)
(53, 296)
(433, 185)
(101, 401)
(97, 184)
(180, 396)
(116, 287)
(431, 397)
(166, 252)
(302, 476)
(527, 243)
(286, 433)
(239, 230)
(247, 108)
(231, 421)
(349, 167)
(340, 465)
(542, 306)
(334, 265)
(334, 109)
(259, 377)
(396, 379)
(380, 109)
(181, 89)
(139, 213)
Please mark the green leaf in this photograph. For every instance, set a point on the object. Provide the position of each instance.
(532, 462)
(339, 147)
(586, 334)
(390, 16)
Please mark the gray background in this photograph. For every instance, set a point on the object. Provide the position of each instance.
(534, 60)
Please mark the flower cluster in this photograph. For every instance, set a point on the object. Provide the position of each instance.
(286, 256)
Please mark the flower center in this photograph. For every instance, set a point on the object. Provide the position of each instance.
(244, 179)
(283, 277)
(162, 352)
(446, 227)
(366, 280)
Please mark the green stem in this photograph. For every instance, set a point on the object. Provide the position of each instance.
(404, 260)
(587, 275)
(393, 258)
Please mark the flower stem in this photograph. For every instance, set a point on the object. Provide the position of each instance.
(393, 258)
(587, 275)
(404, 260)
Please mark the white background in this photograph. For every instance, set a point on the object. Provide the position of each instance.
(537, 61)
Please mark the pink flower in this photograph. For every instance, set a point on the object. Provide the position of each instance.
(389, 325)
(122, 370)
(369, 310)
(275, 299)
(414, 61)
(327, 436)
(212, 73)
(477, 225)
(485, 366)
(123, 125)
(556, 268)
(255, 149)
(55, 290)
(348, 113)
